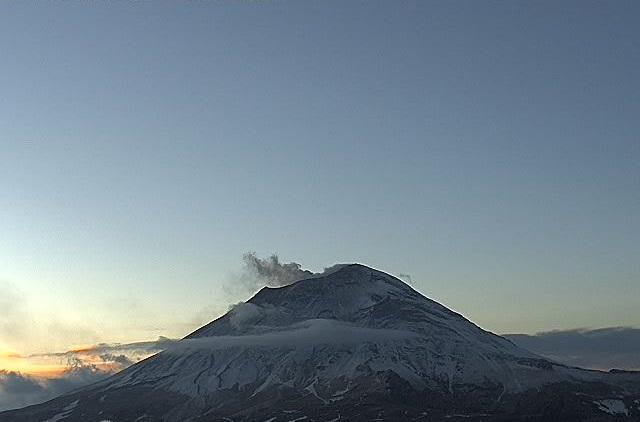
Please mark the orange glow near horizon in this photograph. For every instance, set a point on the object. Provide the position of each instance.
(56, 364)
(44, 368)
(45, 371)
(48, 366)
(83, 348)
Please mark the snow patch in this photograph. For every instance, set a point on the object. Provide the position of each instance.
(612, 406)
(312, 389)
(66, 412)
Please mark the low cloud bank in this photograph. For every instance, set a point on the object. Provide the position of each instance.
(19, 390)
(603, 348)
(308, 333)
(114, 352)
(83, 367)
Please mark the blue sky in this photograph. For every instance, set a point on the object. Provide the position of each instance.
(489, 149)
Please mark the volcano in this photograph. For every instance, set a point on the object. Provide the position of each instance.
(356, 344)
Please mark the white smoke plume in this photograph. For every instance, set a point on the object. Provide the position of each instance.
(272, 272)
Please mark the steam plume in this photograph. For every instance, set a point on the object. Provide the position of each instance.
(272, 272)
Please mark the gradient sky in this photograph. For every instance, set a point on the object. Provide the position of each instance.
(490, 150)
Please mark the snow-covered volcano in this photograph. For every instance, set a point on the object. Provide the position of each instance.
(355, 344)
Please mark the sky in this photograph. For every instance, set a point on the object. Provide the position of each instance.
(490, 150)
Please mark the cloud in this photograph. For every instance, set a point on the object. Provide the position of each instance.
(119, 359)
(19, 390)
(603, 348)
(306, 333)
(242, 314)
(121, 353)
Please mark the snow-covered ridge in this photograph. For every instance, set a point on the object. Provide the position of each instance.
(352, 293)
(350, 323)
